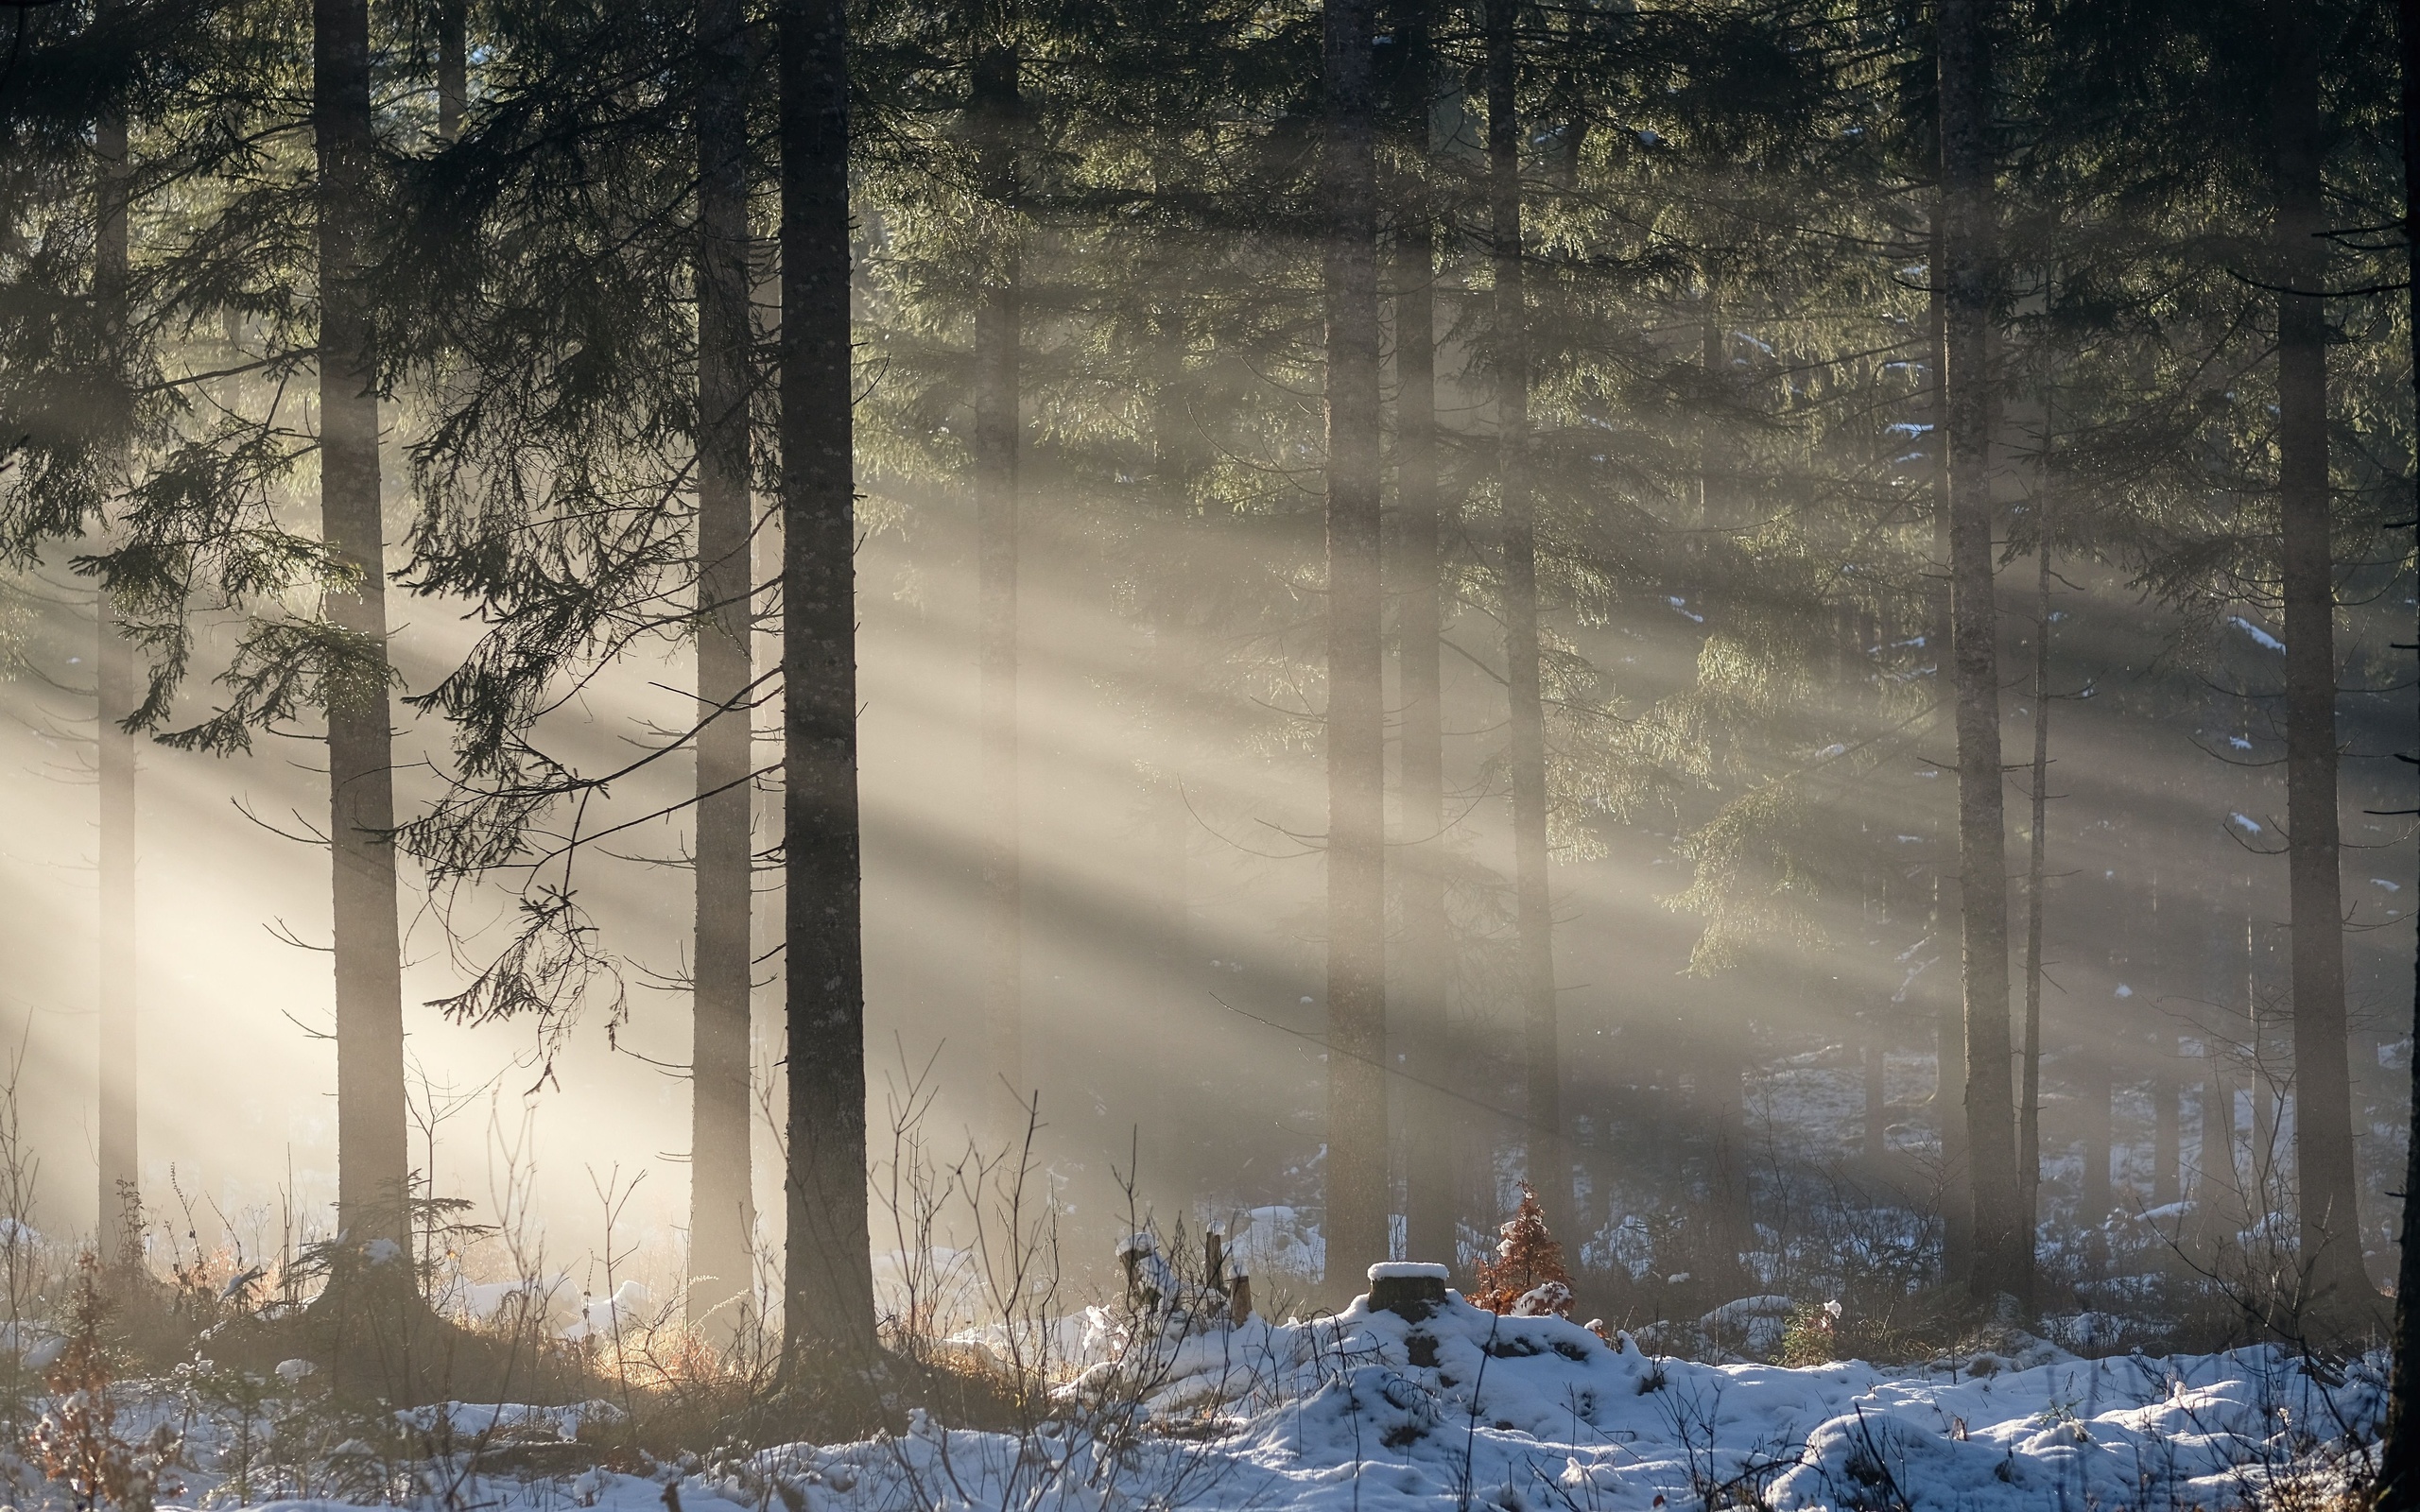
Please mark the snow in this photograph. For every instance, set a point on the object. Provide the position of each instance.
(604, 1316)
(2259, 637)
(1372, 1412)
(1408, 1270)
(489, 1419)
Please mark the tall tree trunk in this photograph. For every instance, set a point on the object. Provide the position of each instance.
(1356, 1005)
(1172, 1161)
(1876, 1142)
(998, 321)
(1999, 1261)
(827, 1278)
(1550, 1169)
(2216, 1175)
(1949, 1027)
(372, 1160)
(2327, 1184)
(722, 1217)
(1430, 1231)
(2399, 1486)
(2261, 1164)
(2090, 1048)
(454, 66)
(2167, 1123)
(2168, 1118)
(121, 1171)
(2029, 1124)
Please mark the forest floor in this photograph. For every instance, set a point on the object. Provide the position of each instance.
(1361, 1412)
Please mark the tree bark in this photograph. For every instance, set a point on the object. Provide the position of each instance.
(1949, 1029)
(1549, 1168)
(454, 67)
(2029, 1125)
(2091, 1048)
(1357, 1095)
(827, 1276)
(1430, 1228)
(722, 1216)
(1998, 1261)
(373, 1158)
(2168, 1123)
(2398, 1483)
(2327, 1182)
(117, 697)
(998, 320)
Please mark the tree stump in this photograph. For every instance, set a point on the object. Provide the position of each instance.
(1407, 1288)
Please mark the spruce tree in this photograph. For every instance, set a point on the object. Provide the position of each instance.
(2328, 1189)
(372, 1160)
(2398, 1476)
(721, 1174)
(1966, 274)
(994, 105)
(1517, 569)
(1428, 956)
(827, 1281)
(116, 1130)
(1358, 1208)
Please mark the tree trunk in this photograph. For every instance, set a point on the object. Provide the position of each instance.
(827, 1280)
(2260, 1166)
(2326, 1181)
(2091, 1048)
(722, 1217)
(117, 694)
(997, 343)
(1949, 1028)
(2029, 1124)
(2167, 1123)
(1431, 1230)
(1999, 1260)
(454, 66)
(2399, 1486)
(1550, 1170)
(1173, 1162)
(372, 1160)
(1875, 1056)
(2217, 1177)
(1356, 1007)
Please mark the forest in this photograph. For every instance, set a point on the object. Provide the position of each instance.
(1086, 754)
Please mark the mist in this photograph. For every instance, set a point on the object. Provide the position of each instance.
(814, 720)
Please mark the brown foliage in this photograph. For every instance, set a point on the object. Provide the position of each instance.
(78, 1441)
(1527, 1276)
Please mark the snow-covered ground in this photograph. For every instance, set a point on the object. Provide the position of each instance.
(1368, 1410)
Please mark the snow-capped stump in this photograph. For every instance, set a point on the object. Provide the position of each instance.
(1150, 1279)
(1410, 1289)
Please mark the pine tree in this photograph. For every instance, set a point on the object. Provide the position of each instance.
(1519, 569)
(1967, 233)
(2328, 1186)
(721, 1174)
(372, 1160)
(117, 1129)
(2398, 1475)
(1356, 1008)
(993, 108)
(1427, 958)
(827, 1280)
